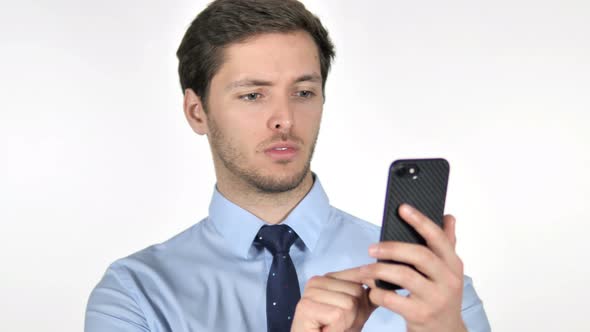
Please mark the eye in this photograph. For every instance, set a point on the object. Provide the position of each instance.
(251, 96)
(305, 94)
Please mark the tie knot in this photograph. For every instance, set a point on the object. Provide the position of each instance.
(277, 238)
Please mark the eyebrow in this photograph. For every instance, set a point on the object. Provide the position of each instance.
(315, 78)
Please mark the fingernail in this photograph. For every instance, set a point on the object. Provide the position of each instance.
(373, 249)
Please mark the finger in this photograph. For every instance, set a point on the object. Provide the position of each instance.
(338, 281)
(353, 275)
(401, 275)
(370, 283)
(336, 285)
(349, 304)
(397, 303)
(449, 223)
(419, 256)
(312, 316)
(435, 238)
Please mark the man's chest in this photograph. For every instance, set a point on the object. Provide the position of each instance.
(230, 297)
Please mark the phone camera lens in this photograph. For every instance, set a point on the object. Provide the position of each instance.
(401, 172)
(407, 172)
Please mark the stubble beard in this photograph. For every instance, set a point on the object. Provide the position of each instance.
(236, 163)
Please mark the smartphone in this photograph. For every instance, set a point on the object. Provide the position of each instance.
(421, 183)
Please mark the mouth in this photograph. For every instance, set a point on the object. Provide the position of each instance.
(282, 151)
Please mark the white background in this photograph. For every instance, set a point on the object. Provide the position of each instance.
(97, 161)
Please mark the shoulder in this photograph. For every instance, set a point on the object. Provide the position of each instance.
(151, 268)
(123, 297)
(161, 260)
(164, 255)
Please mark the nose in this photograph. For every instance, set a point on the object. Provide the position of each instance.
(281, 119)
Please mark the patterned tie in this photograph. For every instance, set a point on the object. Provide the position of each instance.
(282, 288)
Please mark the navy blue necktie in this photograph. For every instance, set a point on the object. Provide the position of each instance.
(282, 288)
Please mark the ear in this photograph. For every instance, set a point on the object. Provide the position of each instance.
(195, 113)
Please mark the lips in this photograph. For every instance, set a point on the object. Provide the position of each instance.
(282, 147)
(282, 151)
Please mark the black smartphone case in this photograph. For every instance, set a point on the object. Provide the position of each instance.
(425, 189)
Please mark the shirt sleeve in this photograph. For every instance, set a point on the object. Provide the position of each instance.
(111, 307)
(472, 311)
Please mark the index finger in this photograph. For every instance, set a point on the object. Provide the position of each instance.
(352, 275)
(435, 237)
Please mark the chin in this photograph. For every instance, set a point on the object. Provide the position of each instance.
(278, 182)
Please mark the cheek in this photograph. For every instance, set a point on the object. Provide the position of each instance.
(308, 120)
(245, 131)
(236, 122)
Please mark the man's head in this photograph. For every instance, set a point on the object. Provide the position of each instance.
(225, 22)
(253, 73)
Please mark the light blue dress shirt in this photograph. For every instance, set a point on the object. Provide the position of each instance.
(210, 277)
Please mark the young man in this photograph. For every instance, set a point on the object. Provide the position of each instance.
(273, 254)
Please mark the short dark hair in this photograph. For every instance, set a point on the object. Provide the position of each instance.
(224, 22)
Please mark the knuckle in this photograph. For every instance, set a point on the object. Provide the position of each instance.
(351, 303)
(433, 233)
(304, 305)
(309, 292)
(382, 271)
(370, 268)
(336, 314)
(388, 245)
(456, 283)
(424, 254)
(314, 281)
(460, 265)
(431, 256)
(305, 302)
(376, 297)
(358, 292)
(425, 231)
(406, 275)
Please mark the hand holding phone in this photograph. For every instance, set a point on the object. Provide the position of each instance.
(421, 248)
(421, 183)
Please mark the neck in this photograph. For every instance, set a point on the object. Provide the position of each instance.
(272, 208)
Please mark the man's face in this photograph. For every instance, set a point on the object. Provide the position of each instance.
(264, 110)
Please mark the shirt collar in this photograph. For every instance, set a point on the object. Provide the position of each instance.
(239, 227)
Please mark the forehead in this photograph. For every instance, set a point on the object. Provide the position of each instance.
(270, 56)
